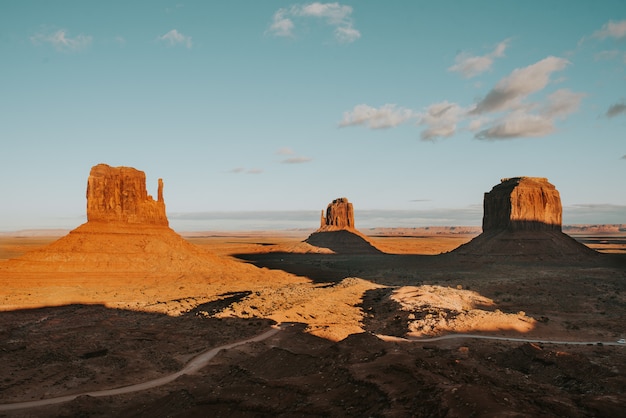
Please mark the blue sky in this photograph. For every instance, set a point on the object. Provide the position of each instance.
(410, 108)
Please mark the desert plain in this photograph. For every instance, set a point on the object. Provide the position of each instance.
(352, 343)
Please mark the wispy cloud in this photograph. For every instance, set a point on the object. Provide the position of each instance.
(534, 120)
(511, 90)
(616, 109)
(386, 116)
(504, 113)
(623, 157)
(441, 120)
(174, 37)
(470, 65)
(616, 30)
(294, 159)
(610, 55)
(333, 14)
(61, 41)
(240, 170)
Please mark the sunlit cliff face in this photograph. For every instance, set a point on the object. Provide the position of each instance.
(119, 194)
(523, 203)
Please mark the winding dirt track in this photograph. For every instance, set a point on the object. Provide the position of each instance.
(194, 365)
(488, 337)
(203, 359)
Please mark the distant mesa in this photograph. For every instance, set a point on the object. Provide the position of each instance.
(337, 232)
(118, 194)
(522, 220)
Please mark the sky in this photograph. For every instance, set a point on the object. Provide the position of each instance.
(257, 114)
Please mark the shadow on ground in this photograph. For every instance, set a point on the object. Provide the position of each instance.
(46, 352)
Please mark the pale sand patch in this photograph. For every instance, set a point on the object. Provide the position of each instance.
(435, 310)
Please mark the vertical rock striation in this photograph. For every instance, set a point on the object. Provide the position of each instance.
(118, 194)
(339, 215)
(522, 204)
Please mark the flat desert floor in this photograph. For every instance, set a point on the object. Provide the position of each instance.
(355, 341)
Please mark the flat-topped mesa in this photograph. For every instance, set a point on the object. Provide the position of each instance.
(522, 204)
(339, 215)
(118, 194)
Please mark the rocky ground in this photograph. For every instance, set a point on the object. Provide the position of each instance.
(333, 360)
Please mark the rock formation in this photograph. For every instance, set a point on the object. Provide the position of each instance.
(337, 232)
(339, 215)
(126, 232)
(118, 194)
(522, 204)
(522, 220)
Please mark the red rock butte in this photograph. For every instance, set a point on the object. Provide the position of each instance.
(337, 231)
(339, 215)
(522, 204)
(118, 194)
(522, 220)
(126, 232)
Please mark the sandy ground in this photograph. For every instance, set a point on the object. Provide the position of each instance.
(97, 330)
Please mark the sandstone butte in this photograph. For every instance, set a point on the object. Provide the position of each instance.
(522, 219)
(126, 232)
(522, 204)
(339, 215)
(338, 233)
(118, 194)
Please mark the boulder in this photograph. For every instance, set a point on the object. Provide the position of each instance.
(118, 194)
(339, 216)
(522, 204)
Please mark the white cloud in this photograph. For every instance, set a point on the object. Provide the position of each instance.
(174, 37)
(285, 151)
(470, 66)
(281, 25)
(347, 34)
(562, 103)
(611, 29)
(120, 40)
(386, 116)
(334, 14)
(616, 109)
(518, 124)
(239, 170)
(296, 160)
(441, 120)
(61, 41)
(508, 92)
(522, 123)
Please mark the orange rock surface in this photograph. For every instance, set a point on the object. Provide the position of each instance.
(522, 204)
(118, 194)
